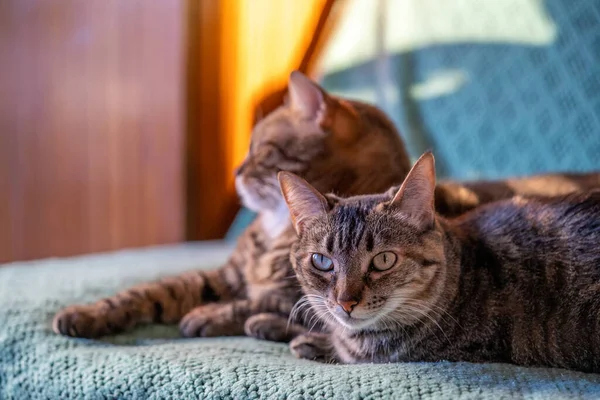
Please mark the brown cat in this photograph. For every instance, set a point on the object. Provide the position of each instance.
(337, 145)
(516, 281)
(456, 198)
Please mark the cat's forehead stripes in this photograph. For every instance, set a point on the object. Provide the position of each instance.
(360, 223)
(370, 241)
(330, 242)
(351, 225)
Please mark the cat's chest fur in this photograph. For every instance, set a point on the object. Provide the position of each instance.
(274, 222)
(268, 268)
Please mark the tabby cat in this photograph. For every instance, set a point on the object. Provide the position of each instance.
(516, 281)
(335, 144)
(454, 198)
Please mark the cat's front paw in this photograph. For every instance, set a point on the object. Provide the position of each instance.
(312, 346)
(210, 320)
(273, 327)
(80, 321)
(266, 326)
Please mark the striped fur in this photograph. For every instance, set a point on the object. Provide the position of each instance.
(454, 198)
(337, 145)
(512, 281)
(334, 143)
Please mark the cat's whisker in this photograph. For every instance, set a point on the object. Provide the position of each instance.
(319, 315)
(312, 302)
(426, 314)
(435, 308)
(438, 311)
(299, 310)
(300, 306)
(425, 307)
(414, 307)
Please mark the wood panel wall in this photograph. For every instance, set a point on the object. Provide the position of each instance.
(211, 203)
(121, 121)
(91, 125)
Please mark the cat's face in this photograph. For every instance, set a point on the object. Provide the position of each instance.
(328, 141)
(369, 261)
(288, 139)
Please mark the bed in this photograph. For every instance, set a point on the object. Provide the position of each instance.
(153, 363)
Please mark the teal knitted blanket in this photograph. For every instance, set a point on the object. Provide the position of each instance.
(152, 363)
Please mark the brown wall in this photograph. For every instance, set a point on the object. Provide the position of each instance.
(91, 125)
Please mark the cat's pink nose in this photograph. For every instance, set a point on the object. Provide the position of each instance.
(348, 305)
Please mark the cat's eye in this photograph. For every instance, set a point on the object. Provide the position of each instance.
(322, 263)
(384, 261)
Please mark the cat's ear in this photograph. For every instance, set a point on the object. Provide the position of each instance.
(304, 201)
(415, 197)
(306, 97)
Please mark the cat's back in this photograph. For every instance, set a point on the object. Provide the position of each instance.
(569, 223)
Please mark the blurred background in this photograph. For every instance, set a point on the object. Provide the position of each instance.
(121, 121)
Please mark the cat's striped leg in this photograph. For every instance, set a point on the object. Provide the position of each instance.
(230, 318)
(164, 301)
(217, 319)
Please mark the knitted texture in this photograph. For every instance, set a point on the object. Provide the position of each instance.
(152, 363)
